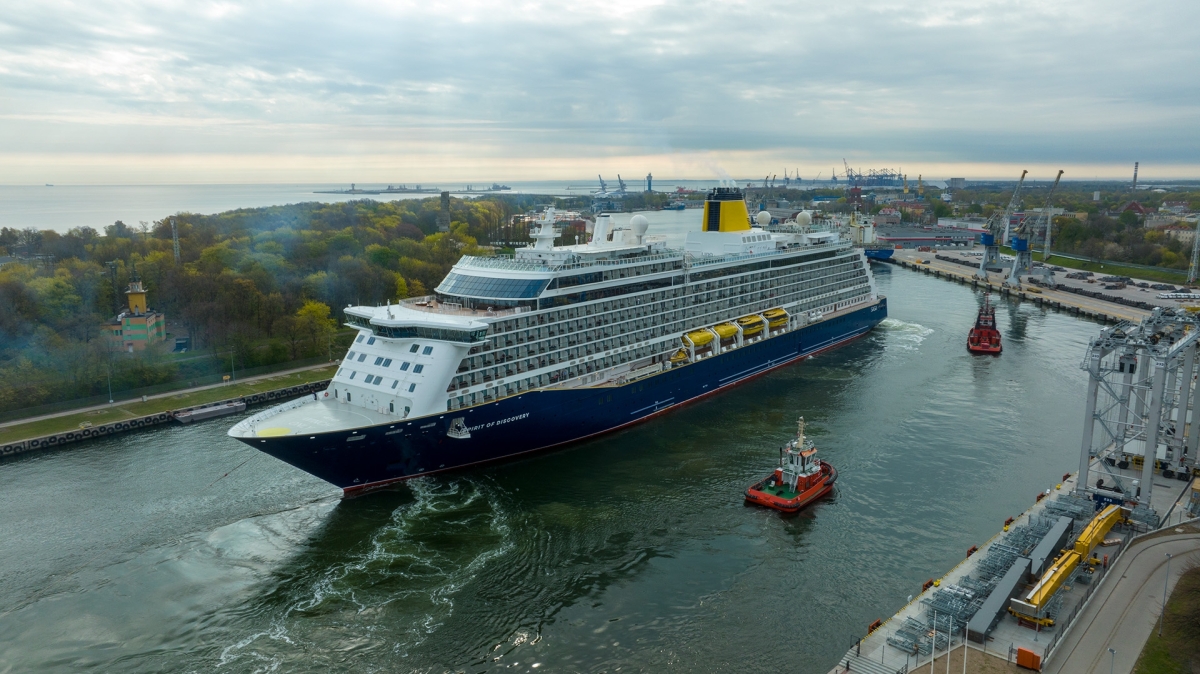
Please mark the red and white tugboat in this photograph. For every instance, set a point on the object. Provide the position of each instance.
(984, 338)
(800, 479)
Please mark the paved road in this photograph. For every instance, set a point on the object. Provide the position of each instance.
(1122, 614)
(168, 394)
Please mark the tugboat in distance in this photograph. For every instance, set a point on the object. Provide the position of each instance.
(984, 338)
(800, 479)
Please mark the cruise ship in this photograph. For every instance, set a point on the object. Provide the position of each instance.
(554, 344)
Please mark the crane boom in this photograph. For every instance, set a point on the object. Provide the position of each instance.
(1025, 239)
(991, 247)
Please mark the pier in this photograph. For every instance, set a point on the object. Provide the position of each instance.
(1141, 393)
(1110, 307)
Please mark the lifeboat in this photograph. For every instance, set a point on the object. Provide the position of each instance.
(726, 330)
(776, 318)
(984, 338)
(751, 325)
(800, 479)
(679, 356)
(699, 338)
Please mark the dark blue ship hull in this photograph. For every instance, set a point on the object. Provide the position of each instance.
(367, 458)
(879, 253)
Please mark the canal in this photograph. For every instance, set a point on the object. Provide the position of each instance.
(179, 549)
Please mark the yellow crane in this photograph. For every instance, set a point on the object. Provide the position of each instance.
(1031, 606)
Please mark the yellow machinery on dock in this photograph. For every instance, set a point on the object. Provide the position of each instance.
(1035, 601)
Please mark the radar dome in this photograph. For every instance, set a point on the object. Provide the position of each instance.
(763, 218)
(639, 224)
(804, 218)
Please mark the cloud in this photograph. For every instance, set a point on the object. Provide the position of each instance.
(442, 88)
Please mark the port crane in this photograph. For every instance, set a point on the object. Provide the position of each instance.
(1025, 238)
(995, 225)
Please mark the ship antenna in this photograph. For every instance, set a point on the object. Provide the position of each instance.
(800, 430)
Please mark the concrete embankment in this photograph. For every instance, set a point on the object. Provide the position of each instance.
(1097, 308)
(138, 423)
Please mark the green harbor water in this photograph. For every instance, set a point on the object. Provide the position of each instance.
(179, 549)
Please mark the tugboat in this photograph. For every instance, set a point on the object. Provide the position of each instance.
(800, 479)
(984, 338)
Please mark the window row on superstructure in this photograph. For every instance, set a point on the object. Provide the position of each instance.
(558, 339)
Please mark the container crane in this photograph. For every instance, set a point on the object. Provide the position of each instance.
(1025, 238)
(995, 225)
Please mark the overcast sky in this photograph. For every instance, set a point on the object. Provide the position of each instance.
(188, 91)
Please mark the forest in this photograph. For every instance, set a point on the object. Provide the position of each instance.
(252, 287)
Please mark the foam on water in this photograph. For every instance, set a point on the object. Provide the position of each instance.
(414, 566)
(903, 334)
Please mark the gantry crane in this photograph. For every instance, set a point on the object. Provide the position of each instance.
(1025, 238)
(995, 225)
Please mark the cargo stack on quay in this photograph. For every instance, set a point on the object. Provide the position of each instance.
(1018, 594)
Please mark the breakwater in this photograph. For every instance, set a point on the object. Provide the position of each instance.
(138, 423)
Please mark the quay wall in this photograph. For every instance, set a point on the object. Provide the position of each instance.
(1005, 291)
(147, 421)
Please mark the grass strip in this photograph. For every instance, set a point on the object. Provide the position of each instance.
(136, 408)
(1177, 651)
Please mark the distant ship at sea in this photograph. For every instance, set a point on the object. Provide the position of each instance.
(555, 344)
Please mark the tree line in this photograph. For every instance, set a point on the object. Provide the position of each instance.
(252, 287)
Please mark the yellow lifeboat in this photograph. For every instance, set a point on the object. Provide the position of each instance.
(679, 356)
(751, 325)
(726, 330)
(700, 337)
(776, 318)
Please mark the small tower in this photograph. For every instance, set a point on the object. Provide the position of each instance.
(443, 217)
(136, 293)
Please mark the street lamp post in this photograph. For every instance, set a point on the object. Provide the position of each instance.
(1112, 663)
(1164, 600)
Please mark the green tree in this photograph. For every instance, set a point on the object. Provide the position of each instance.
(315, 322)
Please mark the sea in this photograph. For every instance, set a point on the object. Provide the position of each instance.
(179, 549)
(62, 207)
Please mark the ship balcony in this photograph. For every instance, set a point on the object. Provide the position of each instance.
(307, 416)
